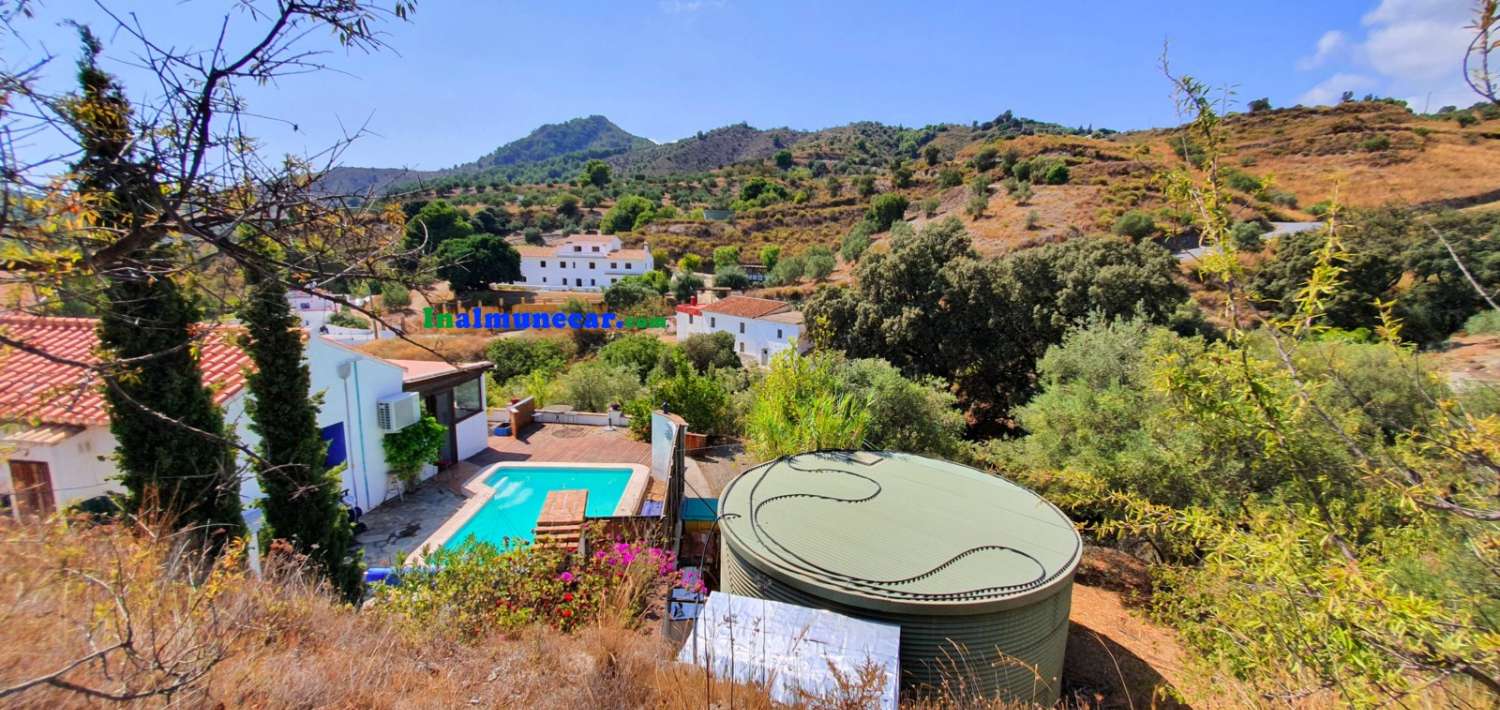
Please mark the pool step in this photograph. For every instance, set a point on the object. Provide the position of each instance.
(561, 521)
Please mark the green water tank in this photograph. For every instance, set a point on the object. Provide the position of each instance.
(976, 570)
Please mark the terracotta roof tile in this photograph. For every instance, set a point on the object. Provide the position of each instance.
(34, 388)
(745, 307)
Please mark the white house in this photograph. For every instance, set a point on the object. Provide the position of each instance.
(761, 327)
(56, 446)
(581, 262)
(311, 308)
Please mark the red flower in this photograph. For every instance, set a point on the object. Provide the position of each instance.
(567, 612)
(568, 596)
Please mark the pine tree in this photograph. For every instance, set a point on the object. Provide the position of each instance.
(171, 447)
(302, 502)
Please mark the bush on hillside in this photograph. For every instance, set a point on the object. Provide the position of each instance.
(520, 355)
(1135, 224)
(593, 385)
(884, 210)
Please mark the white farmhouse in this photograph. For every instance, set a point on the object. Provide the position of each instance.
(761, 327)
(581, 262)
(56, 447)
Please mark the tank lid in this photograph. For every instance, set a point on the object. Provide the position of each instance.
(895, 531)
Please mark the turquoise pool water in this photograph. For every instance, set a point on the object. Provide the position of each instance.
(519, 493)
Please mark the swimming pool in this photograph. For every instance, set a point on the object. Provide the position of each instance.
(519, 491)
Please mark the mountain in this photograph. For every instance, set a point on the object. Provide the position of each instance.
(556, 152)
(707, 151)
(551, 152)
(591, 137)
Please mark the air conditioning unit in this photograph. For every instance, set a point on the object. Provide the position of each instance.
(398, 412)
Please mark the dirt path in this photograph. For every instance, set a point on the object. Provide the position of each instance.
(1116, 657)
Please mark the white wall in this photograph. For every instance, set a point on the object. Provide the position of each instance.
(352, 402)
(759, 342)
(601, 276)
(81, 465)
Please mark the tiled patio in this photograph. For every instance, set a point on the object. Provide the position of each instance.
(396, 528)
(566, 442)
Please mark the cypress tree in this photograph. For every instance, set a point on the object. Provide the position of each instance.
(302, 495)
(182, 469)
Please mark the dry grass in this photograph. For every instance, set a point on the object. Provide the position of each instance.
(104, 614)
(466, 347)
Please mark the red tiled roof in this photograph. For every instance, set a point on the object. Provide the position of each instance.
(587, 238)
(34, 388)
(745, 307)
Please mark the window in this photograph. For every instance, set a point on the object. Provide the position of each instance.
(591, 264)
(627, 266)
(591, 282)
(304, 305)
(712, 321)
(596, 249)
(544, 279)
(742, 328)
(614, 265)
(742, 346)
(544, 263)
(577, 248)
(690, 319)
(468, 399)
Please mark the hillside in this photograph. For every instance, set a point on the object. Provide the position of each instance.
(591, 137)
(707, 151)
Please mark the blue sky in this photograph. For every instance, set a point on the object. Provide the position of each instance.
(464, 77)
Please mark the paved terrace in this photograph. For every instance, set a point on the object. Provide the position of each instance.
(395, 529)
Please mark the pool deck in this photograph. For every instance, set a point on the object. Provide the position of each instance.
(400, 526)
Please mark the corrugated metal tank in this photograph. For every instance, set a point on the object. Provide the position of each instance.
(977, 571)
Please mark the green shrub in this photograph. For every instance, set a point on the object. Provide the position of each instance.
(593, 385)
(1487, 321)
(478, 588)
(856, 241)
(984, 160)
(412, 448)
(950, 177)
(1135, 224)
(686, 285)
(637, 352)
(394, 296)
(818, 263)
(788, 270)
(1056, 174)
(930, 207)
(630, 293)
(884, 210)
(516, 356)
(1375, 143)
(1242, 181)
(1246, 236)
(344, 319)
(731, 276)
(706, 351)
(627, 213)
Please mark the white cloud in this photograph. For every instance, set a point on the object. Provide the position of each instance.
(674, 7)
(1328, 91)
(1332, 42)
(1412, 49)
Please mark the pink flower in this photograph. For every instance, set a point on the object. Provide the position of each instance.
(566, 577)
